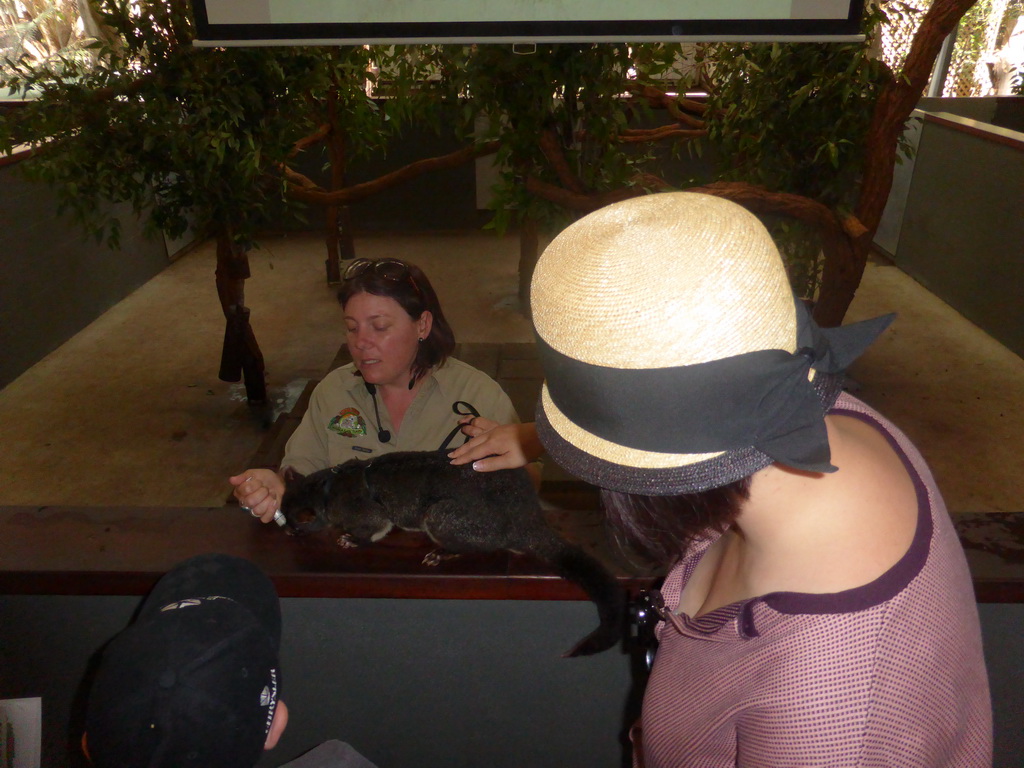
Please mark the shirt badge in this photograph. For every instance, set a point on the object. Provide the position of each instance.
(348, 423)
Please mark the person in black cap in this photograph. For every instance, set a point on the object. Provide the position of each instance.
(194, 681)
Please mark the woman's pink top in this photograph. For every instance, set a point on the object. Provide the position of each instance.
(887, 674)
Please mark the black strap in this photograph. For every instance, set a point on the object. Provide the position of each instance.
(470, 411)
(762, 398)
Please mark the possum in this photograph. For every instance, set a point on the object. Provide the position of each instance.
(461, 510)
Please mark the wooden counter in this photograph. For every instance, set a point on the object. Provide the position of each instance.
(123, 551)
(994, 544)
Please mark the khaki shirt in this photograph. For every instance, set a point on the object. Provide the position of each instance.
(340, 423)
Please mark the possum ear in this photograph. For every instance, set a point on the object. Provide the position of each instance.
(292, 475)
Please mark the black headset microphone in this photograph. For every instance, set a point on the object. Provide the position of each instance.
(382, 434)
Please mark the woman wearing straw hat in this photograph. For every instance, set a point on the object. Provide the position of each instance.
(818, 609)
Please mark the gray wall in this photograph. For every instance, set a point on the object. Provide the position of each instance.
(55, 278)
(410, 683)
(1004, 111)
(1002, 628)
(421, 683)
(887, 238)
(451, 683)
(955, 223)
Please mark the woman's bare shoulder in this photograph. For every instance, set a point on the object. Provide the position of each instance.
(846, 528)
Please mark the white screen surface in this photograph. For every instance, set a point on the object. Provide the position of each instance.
(290, 22)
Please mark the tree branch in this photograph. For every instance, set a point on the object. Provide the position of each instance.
(658, 98)
(584, 202)
(548, 142)
(760, 200)
(358, 192)
(299, 180)
(320, 134)
(636, 135)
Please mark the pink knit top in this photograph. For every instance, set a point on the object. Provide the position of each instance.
(887, 674)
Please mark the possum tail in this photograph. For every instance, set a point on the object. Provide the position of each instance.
(575, 565)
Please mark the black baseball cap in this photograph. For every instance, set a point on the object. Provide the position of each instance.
(195, 679)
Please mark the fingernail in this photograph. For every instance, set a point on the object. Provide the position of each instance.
(476, 466)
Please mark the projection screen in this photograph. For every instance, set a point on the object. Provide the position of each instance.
(345, 22)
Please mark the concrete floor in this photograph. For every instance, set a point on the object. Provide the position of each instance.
(130, 410)
(956, 391)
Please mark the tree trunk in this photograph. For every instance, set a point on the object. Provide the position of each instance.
(340, 245)
(845, 259)
(240, 354)
(333, 262)
(339, 219)
(529, 243)
(897, 100)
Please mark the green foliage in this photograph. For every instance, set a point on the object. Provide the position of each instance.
(353, 72)
(792, 117)
(576, 92)
(186, 135)
(200, 135)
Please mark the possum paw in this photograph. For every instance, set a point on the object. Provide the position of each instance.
(345, 541)
(437, 557)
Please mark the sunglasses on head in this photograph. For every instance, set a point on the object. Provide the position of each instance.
(392, 270)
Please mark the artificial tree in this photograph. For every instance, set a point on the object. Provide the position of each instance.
(349, 122)
(807, 132)
(190, 137)
(205, 136)
(201, 139)
(556, 116)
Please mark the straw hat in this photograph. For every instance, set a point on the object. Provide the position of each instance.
(676, 357)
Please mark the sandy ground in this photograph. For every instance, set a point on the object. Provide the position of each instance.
(130, 410)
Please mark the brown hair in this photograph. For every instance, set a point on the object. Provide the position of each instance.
(661, 527)
(415, 295)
